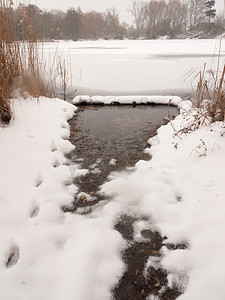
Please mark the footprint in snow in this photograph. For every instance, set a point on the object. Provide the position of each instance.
(38, 181)
(53, 147)
(55, 163)
(12, 257)
(179, 198)
(34, 211)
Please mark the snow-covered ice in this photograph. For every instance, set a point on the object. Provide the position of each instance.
(129, 67)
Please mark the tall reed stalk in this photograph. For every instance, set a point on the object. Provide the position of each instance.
(211, 86)
(19, 60)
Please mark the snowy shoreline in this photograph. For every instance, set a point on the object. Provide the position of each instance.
(46, 253)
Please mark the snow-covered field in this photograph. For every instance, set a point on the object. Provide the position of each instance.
(46, 253)
(135, 67)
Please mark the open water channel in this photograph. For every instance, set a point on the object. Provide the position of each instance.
(113, 138)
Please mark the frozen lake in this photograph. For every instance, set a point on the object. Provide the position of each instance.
(136, 67)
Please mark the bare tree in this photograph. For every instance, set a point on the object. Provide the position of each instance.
(73, 21)
(94, 25)
(196, 13)
(152, 19)
(138, 10)
(156, 18)
(177, 16)
(112, 22)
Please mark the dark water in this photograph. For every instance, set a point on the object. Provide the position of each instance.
(102, 133)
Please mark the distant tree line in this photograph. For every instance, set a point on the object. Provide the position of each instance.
(151, 19)
(72, 24)
(175, 18)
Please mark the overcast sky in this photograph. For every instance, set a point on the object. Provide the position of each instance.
(98, 5)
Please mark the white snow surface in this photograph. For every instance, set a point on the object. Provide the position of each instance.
(182, 189)
(174, 100)
(44, 252)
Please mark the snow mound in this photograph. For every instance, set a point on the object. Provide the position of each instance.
(173, 100)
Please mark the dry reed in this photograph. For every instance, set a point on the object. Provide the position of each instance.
(211, 86)
(21, 68)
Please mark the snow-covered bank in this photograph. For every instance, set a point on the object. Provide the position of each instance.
(44, 252)
(174, 100)
(182, 188)
(48, 254)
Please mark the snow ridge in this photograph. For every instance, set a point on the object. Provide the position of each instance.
(173, 100)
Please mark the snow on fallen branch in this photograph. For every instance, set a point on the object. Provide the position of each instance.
(82, 99)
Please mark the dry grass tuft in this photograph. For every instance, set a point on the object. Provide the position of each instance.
(211, 86)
